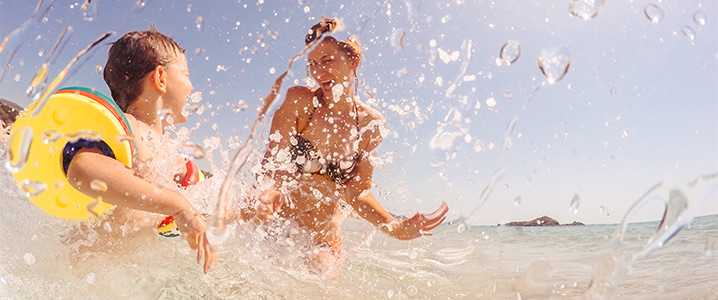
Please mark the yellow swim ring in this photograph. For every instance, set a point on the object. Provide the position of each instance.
(46, 136)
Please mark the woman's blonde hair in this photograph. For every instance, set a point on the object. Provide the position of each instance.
(351, 45)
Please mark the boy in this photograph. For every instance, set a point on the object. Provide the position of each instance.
(147, 73)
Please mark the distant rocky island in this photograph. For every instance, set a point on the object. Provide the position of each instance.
(542, 221)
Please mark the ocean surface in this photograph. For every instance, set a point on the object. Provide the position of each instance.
(458, 262)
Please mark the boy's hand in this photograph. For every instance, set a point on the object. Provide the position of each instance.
(191, 223)
(270, 201)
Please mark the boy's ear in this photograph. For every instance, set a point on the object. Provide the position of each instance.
(158, 79)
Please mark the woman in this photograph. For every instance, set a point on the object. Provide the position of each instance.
(319, 147)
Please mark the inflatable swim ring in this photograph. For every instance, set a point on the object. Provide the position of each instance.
(42, 144)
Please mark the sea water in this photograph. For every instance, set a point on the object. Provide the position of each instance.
(459, 261)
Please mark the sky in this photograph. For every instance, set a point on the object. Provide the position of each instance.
(498, 142)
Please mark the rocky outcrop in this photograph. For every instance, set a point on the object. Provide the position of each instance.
(542, 221)
(9, 111)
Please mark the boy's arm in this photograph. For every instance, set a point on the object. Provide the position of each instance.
(127, 188)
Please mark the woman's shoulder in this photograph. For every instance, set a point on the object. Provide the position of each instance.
(298, 97)
(300, 91)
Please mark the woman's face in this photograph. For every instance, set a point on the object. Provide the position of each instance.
(330, 65)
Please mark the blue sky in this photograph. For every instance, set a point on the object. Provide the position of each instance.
(637, 106)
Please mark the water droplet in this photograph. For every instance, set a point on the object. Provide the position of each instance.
(396, 39)
(107, 227)
(50, 136)
(689, 33)
(654, 13)
(508, 95)
(89, 10)
(200, 23)
(711, 246)
(411, 290)
(32, 188)
(510, 52)
(29, 259)
(575, 202)
(699, 18)
(585, 9)
(85, 134)
(124, 137)
(91, 278)
(517, 201)
(461, 228)
(16, 161)
(138, 6)
(195, 97)
(189, 8)
(490, 102)
(164, 113)
(554, 63)
(624, 134)
(98, 185)
(190, 151)
(307, 9)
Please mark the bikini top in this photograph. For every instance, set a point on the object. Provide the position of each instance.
(308, 160)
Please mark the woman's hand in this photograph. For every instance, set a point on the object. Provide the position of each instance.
(190, 222)
(270, 201)
(419, 224)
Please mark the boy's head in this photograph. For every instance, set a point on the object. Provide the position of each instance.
(132, 57)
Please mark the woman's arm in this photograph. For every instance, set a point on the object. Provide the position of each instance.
(367, 207)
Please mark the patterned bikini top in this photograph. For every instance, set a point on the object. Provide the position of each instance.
(308, 159)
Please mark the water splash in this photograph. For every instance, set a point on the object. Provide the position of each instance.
(98, 185)
(64, 72)
(488, 189)
(396, 39)
(240, 158)
(467, 49)
(32, 188)
(50, 136)
(124, 138)
(585, 9)
(85, 134)
(16, 161)
(654, 13)
(17, 35)
(554, 63)
(453, 127)
(89, 10)
(510, 52)
(679, 210)
(41, 76)
(189, 150)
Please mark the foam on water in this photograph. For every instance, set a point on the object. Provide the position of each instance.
(45, 258)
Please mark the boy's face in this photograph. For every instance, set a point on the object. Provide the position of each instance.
(179, 88)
